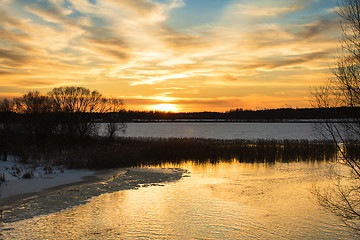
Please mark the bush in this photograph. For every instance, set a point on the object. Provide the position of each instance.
(28, 174)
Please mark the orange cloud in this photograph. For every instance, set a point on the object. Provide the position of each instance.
(245, 58)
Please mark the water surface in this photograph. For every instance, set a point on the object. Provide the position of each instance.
(222, 130)
(217, 201)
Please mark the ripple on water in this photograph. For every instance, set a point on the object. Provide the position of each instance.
(210, 204)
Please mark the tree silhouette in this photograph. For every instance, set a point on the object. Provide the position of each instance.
(343, 90)
(78, 107)
(36, 107)
(114, 121)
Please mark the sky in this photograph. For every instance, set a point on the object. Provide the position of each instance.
(178, 55)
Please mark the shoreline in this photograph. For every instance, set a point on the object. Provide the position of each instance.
(15, 200)
(58, 198)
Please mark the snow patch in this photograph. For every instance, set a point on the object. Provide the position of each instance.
(26, 178)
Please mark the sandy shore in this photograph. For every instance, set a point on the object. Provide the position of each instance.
(59, 197)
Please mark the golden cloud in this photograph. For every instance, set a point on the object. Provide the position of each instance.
(126, 44)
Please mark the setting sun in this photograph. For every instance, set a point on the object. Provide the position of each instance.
(164, 108)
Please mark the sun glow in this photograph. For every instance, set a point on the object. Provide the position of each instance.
(164, 108)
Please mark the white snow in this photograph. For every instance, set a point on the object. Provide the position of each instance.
(42, 178)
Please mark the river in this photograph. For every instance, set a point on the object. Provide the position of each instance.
(227, 200)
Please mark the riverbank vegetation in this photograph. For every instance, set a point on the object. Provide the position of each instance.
(153, 151)
(99, 152)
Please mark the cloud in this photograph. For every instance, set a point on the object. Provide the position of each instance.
(296, 61)
(145, 8)
(53, 13)
(13, 58)
(287, 61)
(162, 78)
(112, 47)
(8, 20)
(149, 9)
(256, 11)
(128, 45)
(6, 73)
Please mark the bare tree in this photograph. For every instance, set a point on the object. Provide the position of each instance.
(6, 108)
(76, 104)
(6, 105)
(77, 100)
(33, 102)
(70, 112)
(114, 121)
(36, 108)
(79, 106)
(343, 90)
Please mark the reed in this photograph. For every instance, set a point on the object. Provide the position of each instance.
(352, 149)
(97, 152)
(132, 152)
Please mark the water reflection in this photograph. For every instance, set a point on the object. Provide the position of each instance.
(218, 201)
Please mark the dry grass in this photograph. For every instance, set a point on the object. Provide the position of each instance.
(130, 152)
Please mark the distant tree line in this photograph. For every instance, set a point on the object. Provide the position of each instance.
(268, 115)
(111, 110)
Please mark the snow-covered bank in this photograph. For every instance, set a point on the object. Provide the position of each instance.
(60, 196)
(25, 178)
